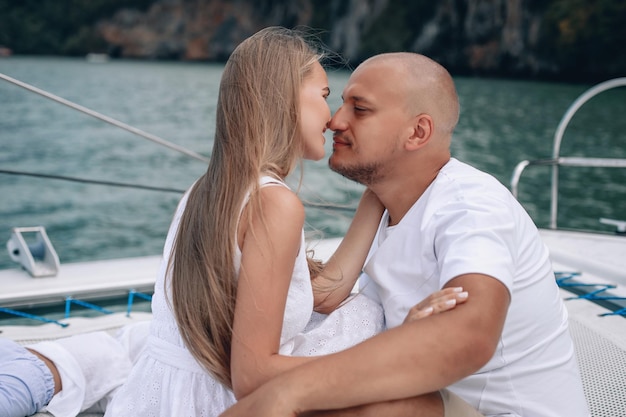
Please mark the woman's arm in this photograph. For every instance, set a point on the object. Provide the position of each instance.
(269, 248)
(341, 271)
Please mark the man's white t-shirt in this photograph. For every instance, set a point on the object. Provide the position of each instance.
(467, 222)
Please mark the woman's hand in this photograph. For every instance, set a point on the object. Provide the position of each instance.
(437, 302)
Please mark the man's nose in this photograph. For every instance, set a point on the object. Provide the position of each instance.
(337, 122)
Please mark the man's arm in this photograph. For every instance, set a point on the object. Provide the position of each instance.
(415, 358)
(426, 405)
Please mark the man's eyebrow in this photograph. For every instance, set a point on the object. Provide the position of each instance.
(355, 98)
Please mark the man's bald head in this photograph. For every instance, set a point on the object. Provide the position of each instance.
(428, 86)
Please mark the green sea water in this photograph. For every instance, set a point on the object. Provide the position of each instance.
(502, 122)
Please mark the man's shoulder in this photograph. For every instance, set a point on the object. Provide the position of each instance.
(465, 179)
(455, 167)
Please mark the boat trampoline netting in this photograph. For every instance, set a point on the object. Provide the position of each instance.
(603, 367)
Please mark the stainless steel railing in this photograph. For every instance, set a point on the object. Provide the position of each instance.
(557, 160)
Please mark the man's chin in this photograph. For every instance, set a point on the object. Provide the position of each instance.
(336, 167)
(364, 175)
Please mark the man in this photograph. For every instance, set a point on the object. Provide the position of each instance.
(507, 350)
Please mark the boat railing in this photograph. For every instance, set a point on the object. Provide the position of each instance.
(557, 160)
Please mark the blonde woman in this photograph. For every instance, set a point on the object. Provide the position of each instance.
(234, 294)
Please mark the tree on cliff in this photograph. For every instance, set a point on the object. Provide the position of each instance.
(586, 36)
(52, 27)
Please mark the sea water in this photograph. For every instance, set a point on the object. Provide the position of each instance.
(502, 122)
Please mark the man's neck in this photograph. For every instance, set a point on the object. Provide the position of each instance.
(400, 192)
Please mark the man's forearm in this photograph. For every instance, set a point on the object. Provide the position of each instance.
(428, 405)
(396, 364)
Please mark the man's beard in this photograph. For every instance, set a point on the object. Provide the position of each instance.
(367, 174)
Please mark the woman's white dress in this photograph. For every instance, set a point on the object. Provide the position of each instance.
(166, 380)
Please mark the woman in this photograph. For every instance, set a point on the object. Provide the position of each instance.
(234, 293)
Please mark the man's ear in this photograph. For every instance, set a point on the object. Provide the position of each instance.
(421, 131)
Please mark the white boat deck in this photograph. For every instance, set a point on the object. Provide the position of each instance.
(600, 255)
(81, 280)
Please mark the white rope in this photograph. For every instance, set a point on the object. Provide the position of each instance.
(106, 119)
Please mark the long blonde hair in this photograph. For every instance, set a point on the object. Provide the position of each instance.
(257, 131)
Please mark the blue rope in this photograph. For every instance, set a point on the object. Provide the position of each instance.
(563, 281)
(131, 299)
(620, 312)
(69, 300)
(68, 303)
(32, 316)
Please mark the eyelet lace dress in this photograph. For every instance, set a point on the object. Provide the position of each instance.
(166, 380)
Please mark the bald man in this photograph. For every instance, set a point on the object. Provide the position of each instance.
(507, 350)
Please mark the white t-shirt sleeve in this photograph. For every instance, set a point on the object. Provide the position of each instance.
(475, 235)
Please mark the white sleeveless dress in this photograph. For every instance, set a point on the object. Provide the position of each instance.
(167, 381)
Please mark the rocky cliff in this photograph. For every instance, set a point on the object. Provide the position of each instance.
(196, 30)
(495, 37)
